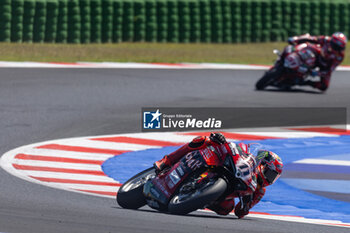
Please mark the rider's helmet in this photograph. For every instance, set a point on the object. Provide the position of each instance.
(270, 167)
(338, 41)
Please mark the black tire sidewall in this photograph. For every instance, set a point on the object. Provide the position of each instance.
(132, 199)
(211, 193)
(271, 75)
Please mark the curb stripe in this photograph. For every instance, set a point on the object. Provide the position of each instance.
(57, 159)
(337, 224)
(52, 169)
(56, 175)
(104, 145)
(69, 181)
(253, 212)
(102, 188)
(134, 65)
(82, 149)
(67, 154)
(287, 133)
(139, 141)
(290, 218)
(38, 163)
(327, 130)
(324, 162)
(299, 220)
(165, 136)
(172, 64)
(113, 194)
(234, 136)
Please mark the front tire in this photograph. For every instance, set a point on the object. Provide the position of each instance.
(268, 78)
(130, 194)
(185, 203)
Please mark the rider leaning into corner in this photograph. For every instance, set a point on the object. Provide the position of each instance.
(266, 173)
(331, 54)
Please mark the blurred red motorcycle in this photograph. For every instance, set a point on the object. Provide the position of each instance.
(293, 67)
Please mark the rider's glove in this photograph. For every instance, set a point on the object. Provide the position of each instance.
(217, 138)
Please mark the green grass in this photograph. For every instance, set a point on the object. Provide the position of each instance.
(249, 53)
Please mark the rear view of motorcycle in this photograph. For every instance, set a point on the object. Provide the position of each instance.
(293, 67)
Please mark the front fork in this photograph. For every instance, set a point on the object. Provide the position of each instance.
(241, 200)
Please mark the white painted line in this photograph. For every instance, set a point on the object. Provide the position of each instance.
(45, 174)
(300, 220)
(130, 65)
(168, 137)
(106, 145)
(101, 188)
(325, 162)
(134, 65)
(285, 133)
(65, 154)
(80, 166)
(291, 219)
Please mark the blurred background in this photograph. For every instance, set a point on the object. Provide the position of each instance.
(222, 22)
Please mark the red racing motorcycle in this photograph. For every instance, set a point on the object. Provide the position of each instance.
(199, 179)
(293, 67)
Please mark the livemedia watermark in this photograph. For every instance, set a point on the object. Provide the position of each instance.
(162, 119)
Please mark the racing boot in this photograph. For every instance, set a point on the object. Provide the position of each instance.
(168, 160)
(160, 165)
(172, 158)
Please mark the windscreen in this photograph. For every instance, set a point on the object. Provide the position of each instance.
(258, 150)
(253, 148)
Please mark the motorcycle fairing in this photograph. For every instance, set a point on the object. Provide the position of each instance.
(160, 189)
(245, 165)
(292, 61)
(155, 197)
(212, 156)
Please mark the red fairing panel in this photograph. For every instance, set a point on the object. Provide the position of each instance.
(210, 157)
(214, 155)
(245, 169)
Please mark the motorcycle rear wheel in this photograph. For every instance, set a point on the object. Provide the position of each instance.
(182, 204)
(130, 194)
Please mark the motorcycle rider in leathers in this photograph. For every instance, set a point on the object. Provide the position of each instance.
(266, 173)
(331, 55)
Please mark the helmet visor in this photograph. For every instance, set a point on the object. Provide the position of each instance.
(270, 175)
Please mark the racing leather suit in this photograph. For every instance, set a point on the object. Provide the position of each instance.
(226, 205)
(328, 58)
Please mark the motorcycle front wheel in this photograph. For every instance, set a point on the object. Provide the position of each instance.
(187, 200)
(130, 194)
(269, 77)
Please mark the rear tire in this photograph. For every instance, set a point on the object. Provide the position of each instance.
(130, 194)
(198, 199)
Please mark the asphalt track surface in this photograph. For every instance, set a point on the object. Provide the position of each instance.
(44, 104)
